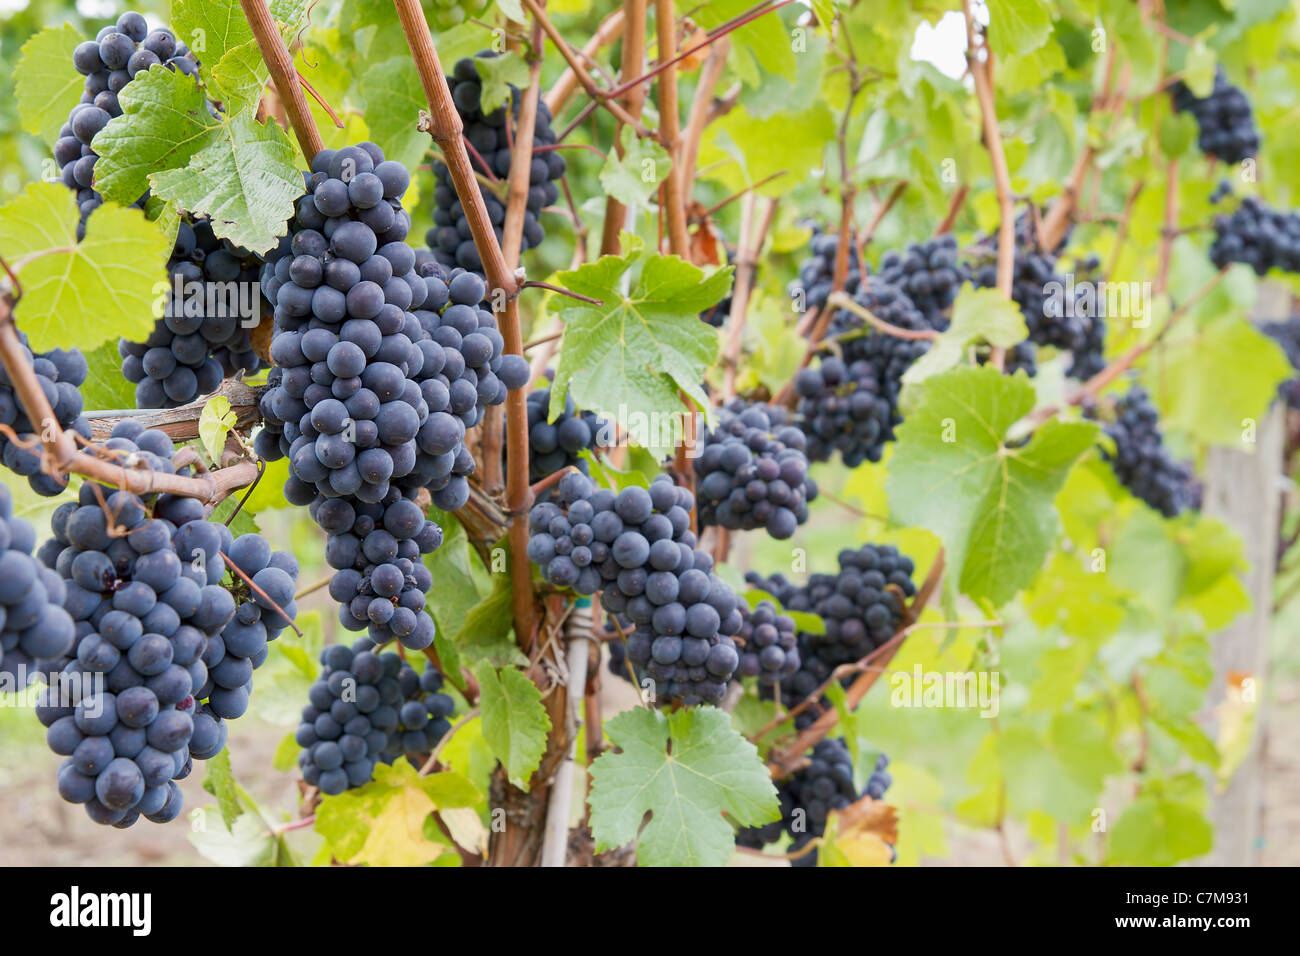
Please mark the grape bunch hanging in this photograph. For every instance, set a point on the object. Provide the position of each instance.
(367, 707)
(490, 137)
(109, 63)
(636, 548)
(205, 334)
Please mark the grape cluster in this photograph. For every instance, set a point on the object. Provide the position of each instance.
(383, 361)
(861, 606)
(752, 471)
(1141, 462)
(770, 648)
(190, 350)
(262, 612)
(367, 707)
(357, 369)
(811, 794)
(1226, 126)
(60, 375)
(1287, 334)
(637, 549)
(849, 402)
(379, 580)
(1088, 354)
(109, 62)
(553, 446)
(1033, 271)
(1256, 234)
(36, 631)
(490, 137)
(817, 272)
(930, 274)
(811, 672)
(1021, 357)
(146, 614)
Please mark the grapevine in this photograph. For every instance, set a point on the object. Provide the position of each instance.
(377, 385)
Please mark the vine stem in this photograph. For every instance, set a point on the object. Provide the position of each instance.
(1121, 230)
(597, 95)
(437, 750)
(697, 217)
(842, 300)
(954, 207)
(668, 63)
(61, 456)
(882, 210)
(280, 64)
(751, 243)
(670, 136)
(981, 72)
(182, 422)
(443, 123)
(1169, 232)
(702, 112)
(512, 234)
(633, 64)
(577, 632)
(560, 290)
(1053, 226)
(610, 29)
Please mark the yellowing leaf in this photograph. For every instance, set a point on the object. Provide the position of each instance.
(108, 285)
(215, 422)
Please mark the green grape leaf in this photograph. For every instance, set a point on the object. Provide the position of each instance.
(219, 780)
(1156, 831)
(247, 842)
(515, 722)
(1018, 26)
(687, 769)
(484, 633)
(87, 292)
(46, 84)
(1244, 364)
(1198, 69)
(640, 347)
(289, 13)
(105, 388)
(244, 180)
(978, 315)
(286, 753)
(1177, 133)
(210, 27)
(164, 121)
(382, 823)
(954, 473)
(761, 49)
(497, 75)
(215, 422)
(240, 76)
(741, 149)
(513, 10)
(393, 86)
(451, 565)
(635, 176)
